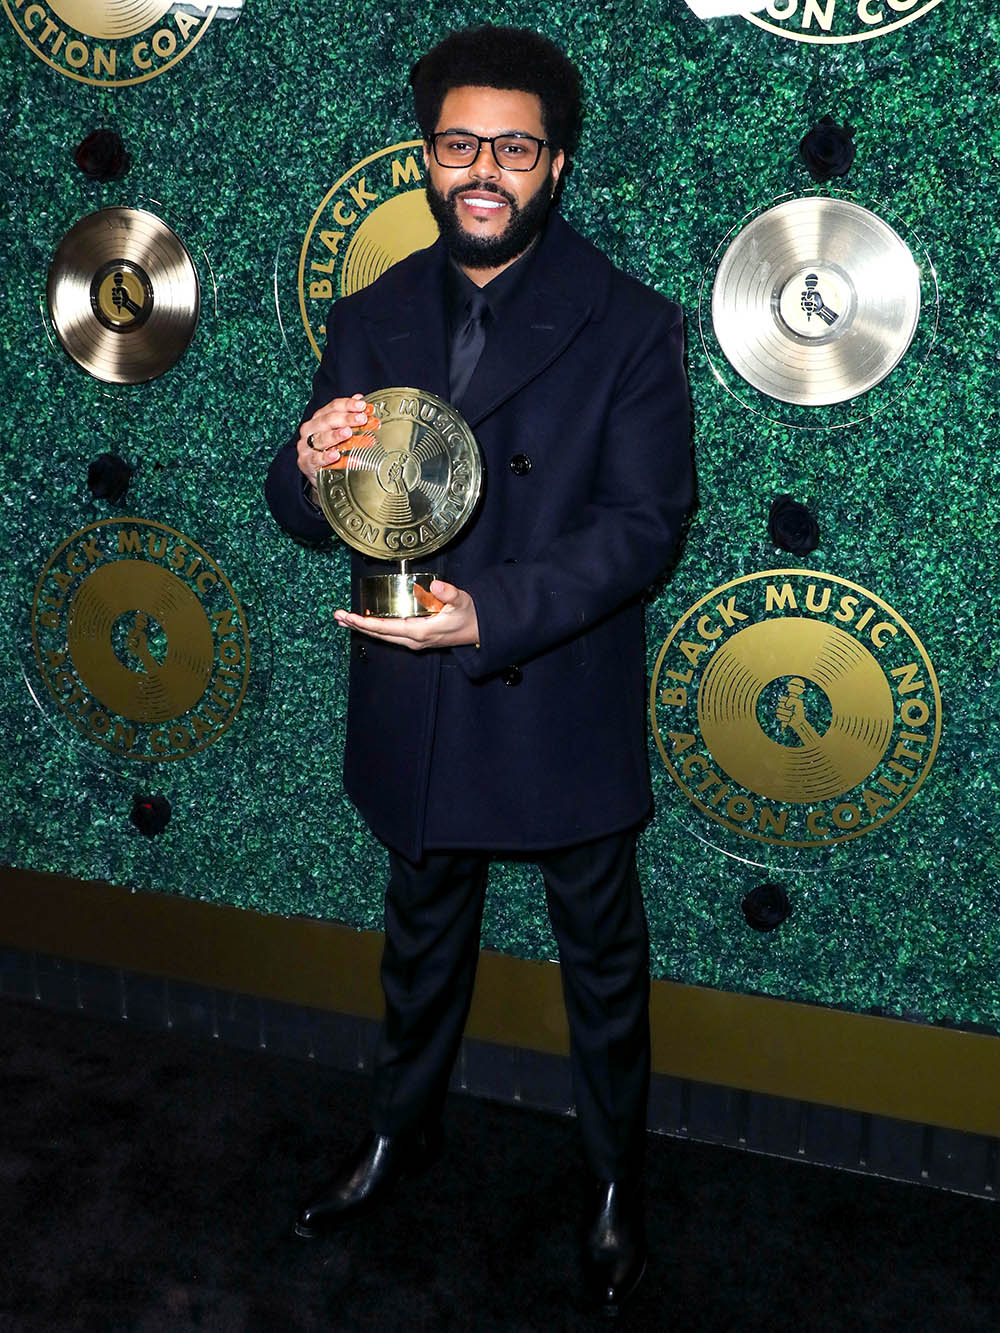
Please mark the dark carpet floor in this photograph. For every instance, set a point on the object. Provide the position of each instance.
(148, 1182)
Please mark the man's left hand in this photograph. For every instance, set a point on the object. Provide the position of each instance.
(456, 623)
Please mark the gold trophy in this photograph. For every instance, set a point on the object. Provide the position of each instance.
(404, 486)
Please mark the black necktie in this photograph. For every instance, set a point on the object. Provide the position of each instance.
(467, 347)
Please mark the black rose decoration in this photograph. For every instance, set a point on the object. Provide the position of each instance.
(108, 477)
(102, 156)
(791, 526)
(150, 814)
(828, 150)
(766, 906)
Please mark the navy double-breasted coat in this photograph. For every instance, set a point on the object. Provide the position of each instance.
(537, 738)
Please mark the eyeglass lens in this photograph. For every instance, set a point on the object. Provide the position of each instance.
(513, 152)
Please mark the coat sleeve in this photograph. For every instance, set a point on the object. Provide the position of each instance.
(285, 488)
(621, 540)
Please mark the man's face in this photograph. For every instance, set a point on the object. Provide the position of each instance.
(487, 215)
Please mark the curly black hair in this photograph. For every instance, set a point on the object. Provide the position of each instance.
(509, 58)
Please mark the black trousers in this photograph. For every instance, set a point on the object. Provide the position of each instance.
(433, 915)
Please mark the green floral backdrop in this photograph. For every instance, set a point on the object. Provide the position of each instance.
(691, 126)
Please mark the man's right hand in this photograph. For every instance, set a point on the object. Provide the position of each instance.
(331, 426)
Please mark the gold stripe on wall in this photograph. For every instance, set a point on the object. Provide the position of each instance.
(883, 1066)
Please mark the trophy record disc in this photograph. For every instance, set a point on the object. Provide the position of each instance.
(123, 295)
(403, 487)
(815, 301)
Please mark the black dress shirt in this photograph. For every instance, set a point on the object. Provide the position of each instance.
(460, 291)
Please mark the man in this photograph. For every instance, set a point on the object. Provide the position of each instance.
(513, 720)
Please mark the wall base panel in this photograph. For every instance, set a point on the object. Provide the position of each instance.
(862, 1064)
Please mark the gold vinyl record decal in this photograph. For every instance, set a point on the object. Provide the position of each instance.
(141, 644)
(123, 295)
(113, 20)
(795, 708)
(146, 688)
(816, 301)
(398, 227)
(827, 760)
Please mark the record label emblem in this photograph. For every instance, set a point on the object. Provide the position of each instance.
(374, 216)
(110, 42)
(795, 708)
(140, 639)
(123, 295)
(812, 303)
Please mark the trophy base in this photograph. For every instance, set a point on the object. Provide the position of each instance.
(398, 596)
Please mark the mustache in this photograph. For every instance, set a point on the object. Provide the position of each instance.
(488, 188)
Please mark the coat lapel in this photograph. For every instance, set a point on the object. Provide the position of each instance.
(408, 336)
(407, 330)
(537, 332)
(547, 310)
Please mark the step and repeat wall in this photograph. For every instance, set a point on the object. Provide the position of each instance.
(822, 658)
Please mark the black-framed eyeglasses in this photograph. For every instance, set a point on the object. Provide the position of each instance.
(512, 152)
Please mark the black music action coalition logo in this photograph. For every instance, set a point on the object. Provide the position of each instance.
(140, 639)
(375, 215)
(834, 21)
(795, 708)
(823, 22)
(110, 42)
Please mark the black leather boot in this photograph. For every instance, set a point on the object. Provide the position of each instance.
(614, 1251)
(367, 1178)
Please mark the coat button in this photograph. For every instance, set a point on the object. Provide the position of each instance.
(520, 465)
(511, 675)
(360, 650)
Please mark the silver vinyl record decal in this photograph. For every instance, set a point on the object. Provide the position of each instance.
(815, 301)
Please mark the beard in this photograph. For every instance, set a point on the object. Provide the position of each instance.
(471, 251)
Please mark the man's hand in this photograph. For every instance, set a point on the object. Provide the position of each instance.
(456, 623)
(331, 426)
